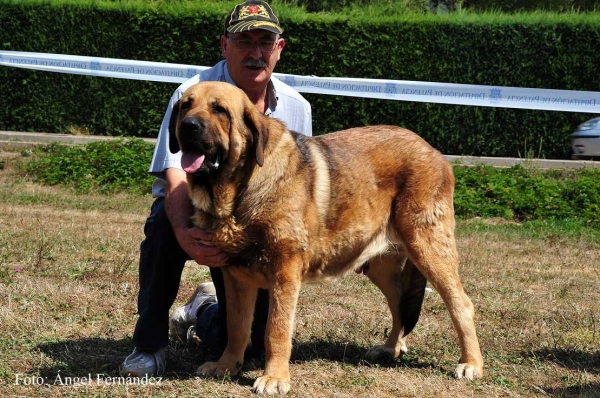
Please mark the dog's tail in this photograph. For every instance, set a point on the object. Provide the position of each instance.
(413, 292)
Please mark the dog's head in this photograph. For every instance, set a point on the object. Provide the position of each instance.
(216, 127)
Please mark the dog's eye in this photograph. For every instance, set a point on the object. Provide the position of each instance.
(219, 109)
(186, 105)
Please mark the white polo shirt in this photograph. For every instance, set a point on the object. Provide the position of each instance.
(285, 104)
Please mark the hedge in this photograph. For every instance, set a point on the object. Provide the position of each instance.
(541, 50)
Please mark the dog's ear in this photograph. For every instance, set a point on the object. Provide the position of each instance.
(173, 143)
(260, 131)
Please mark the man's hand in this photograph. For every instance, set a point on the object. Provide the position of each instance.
(192, 240)
(195, 242)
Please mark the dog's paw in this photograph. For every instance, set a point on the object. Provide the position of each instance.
(383, 354)
(271, 385)
(218, 370)
(468, 371)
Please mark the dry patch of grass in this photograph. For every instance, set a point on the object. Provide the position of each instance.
(68, 286)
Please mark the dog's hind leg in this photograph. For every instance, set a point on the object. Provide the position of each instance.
(432, 248)
(241, 299)
(403, 288)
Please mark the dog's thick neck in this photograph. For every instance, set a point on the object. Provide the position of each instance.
(216, 199)
(216, 195)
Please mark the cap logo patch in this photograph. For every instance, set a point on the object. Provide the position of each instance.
(253, 11)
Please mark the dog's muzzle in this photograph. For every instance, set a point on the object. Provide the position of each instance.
(200, 154)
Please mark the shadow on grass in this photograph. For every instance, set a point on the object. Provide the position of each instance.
(352, 354)
(575, 360)
(584, 391)
(78, 358)
(571, 359)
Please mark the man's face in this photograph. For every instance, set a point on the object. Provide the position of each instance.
(251, 57)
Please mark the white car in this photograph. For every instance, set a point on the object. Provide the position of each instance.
(585, 141)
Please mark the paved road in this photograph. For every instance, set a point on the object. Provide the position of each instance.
(16, 139)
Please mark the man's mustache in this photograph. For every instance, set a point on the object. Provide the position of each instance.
(255, 63)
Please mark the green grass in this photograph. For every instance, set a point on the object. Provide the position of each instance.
(539, 229)
(520, 194)
(107, 166)
(528, 194)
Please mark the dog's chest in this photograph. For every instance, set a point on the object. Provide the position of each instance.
(244, 242)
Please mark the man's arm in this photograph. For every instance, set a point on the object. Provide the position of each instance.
(179, 210)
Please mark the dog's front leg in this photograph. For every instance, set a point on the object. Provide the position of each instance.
(283, 298)
(241, 300)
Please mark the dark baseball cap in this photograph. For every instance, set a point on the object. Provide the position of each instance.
(252, 15)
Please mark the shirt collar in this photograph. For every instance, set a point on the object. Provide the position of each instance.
(272, 98)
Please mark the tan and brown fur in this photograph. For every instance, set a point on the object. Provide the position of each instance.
(290, 209)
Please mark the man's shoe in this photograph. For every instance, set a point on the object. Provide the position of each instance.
(183, 320)
(143, 362)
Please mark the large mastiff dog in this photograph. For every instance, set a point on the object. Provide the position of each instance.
(289, 209)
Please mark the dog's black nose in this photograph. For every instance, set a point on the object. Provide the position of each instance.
(190, 125)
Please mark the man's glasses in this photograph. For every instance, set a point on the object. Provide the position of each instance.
(265, 46)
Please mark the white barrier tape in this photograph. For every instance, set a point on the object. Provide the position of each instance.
(443, 93)
(104, 67)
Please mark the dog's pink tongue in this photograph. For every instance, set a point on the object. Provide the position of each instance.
(191, 162)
